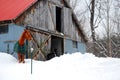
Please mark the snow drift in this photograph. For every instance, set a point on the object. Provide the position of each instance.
(74, 66)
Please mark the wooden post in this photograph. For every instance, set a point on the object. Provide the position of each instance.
(31, 60)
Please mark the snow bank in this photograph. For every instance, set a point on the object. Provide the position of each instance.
(74, 66)
(6, 58)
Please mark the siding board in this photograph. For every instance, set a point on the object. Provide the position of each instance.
(51, 17)
(66, 21)
(37, 16)
(10, 38)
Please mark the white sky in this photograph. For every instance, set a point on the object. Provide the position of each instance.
(75, 66)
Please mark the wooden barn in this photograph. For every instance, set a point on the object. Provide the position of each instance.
(52, 23)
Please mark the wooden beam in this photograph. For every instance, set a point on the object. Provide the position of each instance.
(46, 32)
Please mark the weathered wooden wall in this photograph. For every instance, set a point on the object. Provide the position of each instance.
(43, 15)
(57, 2)
(38, 16)
(69, 25)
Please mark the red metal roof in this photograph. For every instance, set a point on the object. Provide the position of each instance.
(11, 9)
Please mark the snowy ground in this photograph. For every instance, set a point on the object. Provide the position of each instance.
(75, 66)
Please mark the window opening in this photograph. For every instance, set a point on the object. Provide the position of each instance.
(75, 44)
(58, 19)
(3, 29)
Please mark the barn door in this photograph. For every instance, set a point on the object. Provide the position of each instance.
(66, 20)
(40, 45)
(57, 44)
